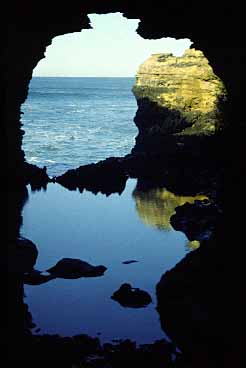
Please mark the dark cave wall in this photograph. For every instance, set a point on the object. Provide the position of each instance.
(31, 28)
(23, 57)
(27, 39)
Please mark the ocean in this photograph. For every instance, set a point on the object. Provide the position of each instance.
(70, 121)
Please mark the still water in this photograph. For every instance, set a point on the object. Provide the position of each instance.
(100, 230)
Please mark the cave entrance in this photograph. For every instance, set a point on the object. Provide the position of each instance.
(80, 106)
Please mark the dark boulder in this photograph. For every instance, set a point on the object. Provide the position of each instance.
(69, 268)
(128, 296)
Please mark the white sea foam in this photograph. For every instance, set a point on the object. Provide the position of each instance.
(50, 161)
(77, 124)
(33, 159)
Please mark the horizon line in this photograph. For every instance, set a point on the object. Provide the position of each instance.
(83, 76)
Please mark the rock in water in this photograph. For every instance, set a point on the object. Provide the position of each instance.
(130, 261)
(69, 268)
(36, 277)
(106, 176)
(128, 296)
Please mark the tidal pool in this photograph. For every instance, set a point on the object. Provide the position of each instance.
(99, 230)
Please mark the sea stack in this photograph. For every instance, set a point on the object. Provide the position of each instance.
(177, 96)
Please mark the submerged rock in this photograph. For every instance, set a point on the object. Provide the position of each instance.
(69, 268)
(128, 296)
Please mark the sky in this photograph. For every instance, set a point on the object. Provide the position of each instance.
(111, 49)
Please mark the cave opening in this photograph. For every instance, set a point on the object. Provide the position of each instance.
(80, 105)
(78, 101)
(220, 271)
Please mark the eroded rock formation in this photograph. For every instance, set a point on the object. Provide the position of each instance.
(177, 95)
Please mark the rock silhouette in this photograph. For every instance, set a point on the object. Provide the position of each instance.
(106, 176)
(130, 261)
(70, 268)
(128, 296)
(35, 277)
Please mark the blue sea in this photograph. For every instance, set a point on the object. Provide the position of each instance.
(69, 122)
(73, 121)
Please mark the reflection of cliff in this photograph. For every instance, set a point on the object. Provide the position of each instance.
(193, 244)
(156, 206)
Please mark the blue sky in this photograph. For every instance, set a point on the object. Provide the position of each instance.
(112, 48)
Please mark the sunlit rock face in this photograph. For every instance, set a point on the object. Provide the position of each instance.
(178, 95)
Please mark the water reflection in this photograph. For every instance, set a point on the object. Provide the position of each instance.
(192, 245)
(156, 206)
(110, 234)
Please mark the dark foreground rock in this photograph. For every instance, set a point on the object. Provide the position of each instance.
(85, 351)
(22, 256)
(128, 296)
(69, 268)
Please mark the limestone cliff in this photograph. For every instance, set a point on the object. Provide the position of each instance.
(178, 95)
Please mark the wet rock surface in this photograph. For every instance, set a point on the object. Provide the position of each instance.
(69, 268)
(127, 296)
